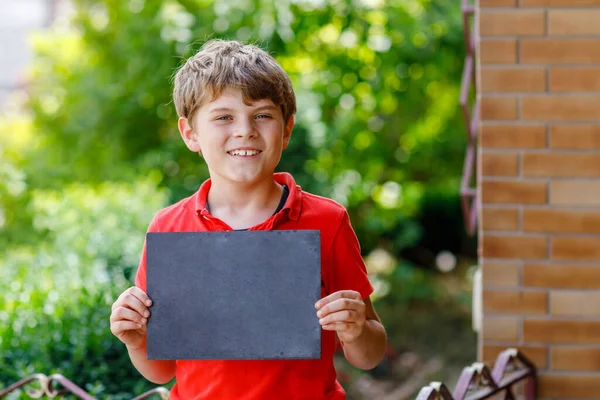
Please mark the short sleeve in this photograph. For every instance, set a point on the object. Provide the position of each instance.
(140, 276)
(348, 269)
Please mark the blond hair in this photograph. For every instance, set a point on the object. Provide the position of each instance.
(223, 64)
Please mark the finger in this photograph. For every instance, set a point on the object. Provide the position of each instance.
(127, 314)
(121, 326)
(349, 294)
(130, 301)
(340, 316)
(136, 292)
(141, 295)
(338, 326)
(341, 304)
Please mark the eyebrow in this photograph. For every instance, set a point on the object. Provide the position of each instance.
(225, 109)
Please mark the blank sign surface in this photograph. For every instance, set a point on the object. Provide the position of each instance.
(233, 295)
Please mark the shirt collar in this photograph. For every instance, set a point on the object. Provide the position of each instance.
(293, 205)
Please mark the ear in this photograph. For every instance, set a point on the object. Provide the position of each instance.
(188, 135)
(287, 132)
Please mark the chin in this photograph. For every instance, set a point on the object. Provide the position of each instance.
(247, 178)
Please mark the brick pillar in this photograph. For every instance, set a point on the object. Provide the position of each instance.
(539, 181)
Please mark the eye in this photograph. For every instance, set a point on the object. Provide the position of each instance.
(223, 118)
(263, 116)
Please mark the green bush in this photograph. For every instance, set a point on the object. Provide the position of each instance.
(57, 295)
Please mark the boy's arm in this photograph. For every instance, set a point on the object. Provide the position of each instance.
(156, 371)
(369, 348)
(128, 321)
(357, 325)
(355, 321)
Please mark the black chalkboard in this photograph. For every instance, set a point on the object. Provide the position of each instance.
(233, 295)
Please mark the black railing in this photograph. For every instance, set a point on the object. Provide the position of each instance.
(477, 382)
(471, 114)
(56, 385)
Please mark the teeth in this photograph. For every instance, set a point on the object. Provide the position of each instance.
(244, 153)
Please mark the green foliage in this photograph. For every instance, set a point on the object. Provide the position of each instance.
(15, 220)
(57, 296)
(377, 87)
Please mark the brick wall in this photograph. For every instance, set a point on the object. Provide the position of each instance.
(539, 179)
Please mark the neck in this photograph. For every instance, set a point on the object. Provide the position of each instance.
(235, 198)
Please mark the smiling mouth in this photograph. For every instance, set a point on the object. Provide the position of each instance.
(244, 153)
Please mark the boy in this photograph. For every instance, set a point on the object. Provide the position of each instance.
(236, 109)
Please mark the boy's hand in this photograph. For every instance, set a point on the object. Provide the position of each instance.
(129, 317)
(343, 312)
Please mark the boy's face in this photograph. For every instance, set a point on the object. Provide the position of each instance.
(240, 143)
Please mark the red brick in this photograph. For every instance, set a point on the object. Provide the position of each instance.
(494, 51)
(560, 276)
(561, 108)
(514, 302)
(575, 358)
(558, 3)
(561, 221)
(505, 246)
(497, 273)
(561, 331)
(574, 22)
(575, 248)
(513, 136)
(512, 22)
(499, 108)
(513, 80)
(500, 219)
(575, 303)
(575, 79)
(559, 51)
(568, 386)
(517, 192)
(575, 193)
(575, 136)
(561, 165)
(500, 328)
(500, 164)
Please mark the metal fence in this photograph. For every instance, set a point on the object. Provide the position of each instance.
(511, 372)
(56, 385)
(469, 104)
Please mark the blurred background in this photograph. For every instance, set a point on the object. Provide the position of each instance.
(89, 151)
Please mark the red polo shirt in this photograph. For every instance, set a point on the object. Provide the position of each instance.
(342, 268)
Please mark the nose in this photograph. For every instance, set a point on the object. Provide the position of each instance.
(245, 129)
